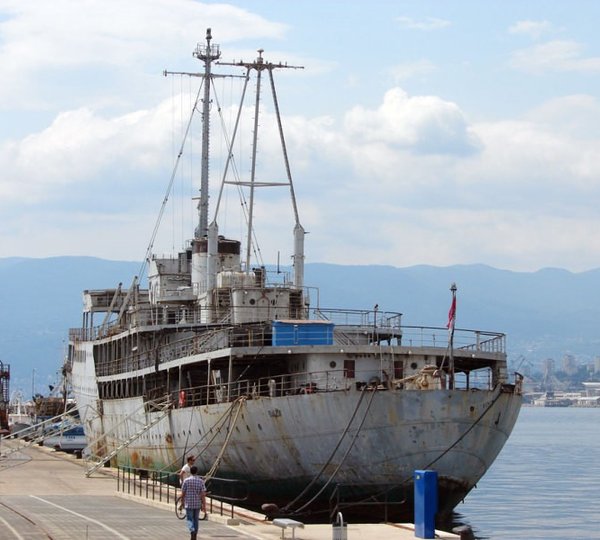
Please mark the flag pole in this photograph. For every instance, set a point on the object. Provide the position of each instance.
(451, 321)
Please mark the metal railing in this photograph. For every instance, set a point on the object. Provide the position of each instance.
(376, 497)
(261, 335)
(464, 339)
(163, 486)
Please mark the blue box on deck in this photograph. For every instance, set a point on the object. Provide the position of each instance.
(426, 503)
(302, 333)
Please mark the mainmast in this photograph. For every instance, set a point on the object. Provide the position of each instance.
(208, 54)
(259, 65)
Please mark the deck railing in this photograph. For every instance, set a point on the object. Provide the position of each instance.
(261, 336)
(309, 383)
(163, 486)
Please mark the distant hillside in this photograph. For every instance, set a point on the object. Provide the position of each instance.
(545, 314)
(41, 299)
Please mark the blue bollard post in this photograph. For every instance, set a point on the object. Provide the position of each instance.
(426, 503)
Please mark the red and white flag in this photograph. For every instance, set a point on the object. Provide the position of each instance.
(452, 314)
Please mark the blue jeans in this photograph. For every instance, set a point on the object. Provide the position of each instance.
(191, 516)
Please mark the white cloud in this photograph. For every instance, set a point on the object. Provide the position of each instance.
(406, 179)
(533, 29)
(366, 177)
(424, 124)
(408, 70)
(38, 39)
(77, 147)
(555, 56)
(429, 23)
(577, 115)
(531, 184)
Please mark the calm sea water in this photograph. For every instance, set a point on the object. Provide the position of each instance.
(546, 481)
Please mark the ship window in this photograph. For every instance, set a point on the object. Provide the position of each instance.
(252, 301)
(349, 369)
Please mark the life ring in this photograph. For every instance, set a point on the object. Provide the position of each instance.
(181, 398)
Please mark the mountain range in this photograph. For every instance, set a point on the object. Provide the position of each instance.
(545, 314)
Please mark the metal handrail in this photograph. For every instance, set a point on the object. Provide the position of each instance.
(260, 335)
(164, 486)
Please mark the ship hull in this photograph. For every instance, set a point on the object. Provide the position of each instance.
(349, 445)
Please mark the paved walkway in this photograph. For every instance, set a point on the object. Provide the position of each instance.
(45, 494)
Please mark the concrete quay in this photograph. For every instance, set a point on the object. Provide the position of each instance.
(45, 495)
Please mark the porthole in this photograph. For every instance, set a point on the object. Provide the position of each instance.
(252, 301)
(332, 364)
(413, 365)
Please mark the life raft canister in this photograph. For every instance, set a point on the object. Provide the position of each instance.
(181, 398)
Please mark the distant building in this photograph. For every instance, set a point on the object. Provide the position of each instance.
(592, 389)
(569, 364)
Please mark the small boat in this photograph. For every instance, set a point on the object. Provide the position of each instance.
(288, 405)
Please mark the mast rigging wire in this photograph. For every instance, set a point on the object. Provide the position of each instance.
(169, 188)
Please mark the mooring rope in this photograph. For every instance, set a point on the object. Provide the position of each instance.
(431, 463)
(240, 402)
(324, 487)
(318, 475)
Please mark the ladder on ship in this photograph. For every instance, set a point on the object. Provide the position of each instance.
(37, 433)
(94, 462)
(296, 305)
(222, 307)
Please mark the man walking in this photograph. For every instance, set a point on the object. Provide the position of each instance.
(185, 471)
(193, 493)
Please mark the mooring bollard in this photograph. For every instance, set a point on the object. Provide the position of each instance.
(340, 530)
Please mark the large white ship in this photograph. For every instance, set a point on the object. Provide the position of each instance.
(289, 404)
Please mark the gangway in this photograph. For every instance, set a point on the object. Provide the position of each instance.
(94, 461)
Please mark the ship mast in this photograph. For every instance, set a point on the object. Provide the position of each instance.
(259, 65)
(208, 54)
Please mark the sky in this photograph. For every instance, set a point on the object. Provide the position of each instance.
(418, 132)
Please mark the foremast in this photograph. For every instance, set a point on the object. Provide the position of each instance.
(208, 53)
